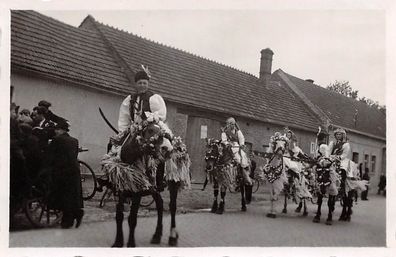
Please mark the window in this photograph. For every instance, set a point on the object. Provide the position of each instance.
(355, 157)
(366, 161)
(204, 131)
(373, 161)
(313, 148)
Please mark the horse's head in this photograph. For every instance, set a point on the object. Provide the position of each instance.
(279, 143)
(212, 154)
(156, 140)
(148, 139)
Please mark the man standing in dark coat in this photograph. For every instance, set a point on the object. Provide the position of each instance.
(62, 159)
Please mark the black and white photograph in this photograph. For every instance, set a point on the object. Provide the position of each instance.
(174, 128)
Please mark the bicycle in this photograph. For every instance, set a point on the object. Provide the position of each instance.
(89, 183)
(88, 178)
(109, 192)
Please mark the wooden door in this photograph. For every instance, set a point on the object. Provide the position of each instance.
(196, 143)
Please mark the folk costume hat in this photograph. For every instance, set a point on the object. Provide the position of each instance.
(142, 74)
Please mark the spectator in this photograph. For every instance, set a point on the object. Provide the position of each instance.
(62, 161)
(366, 176)
(43, 129)
(382, 184)
(24, 117)
(48, 114)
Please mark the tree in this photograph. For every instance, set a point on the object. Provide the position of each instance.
(343, 88)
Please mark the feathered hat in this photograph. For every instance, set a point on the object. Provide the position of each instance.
(142, 74)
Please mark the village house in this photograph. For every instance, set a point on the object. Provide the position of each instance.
(82, 69)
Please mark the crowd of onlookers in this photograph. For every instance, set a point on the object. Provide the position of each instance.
(41, 151)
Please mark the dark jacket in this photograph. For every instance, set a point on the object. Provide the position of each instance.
(63, 164)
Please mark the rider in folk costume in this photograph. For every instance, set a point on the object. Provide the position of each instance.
(350, 181)
(292, 153)
(232, 135)
(151, 172)
(324, 152)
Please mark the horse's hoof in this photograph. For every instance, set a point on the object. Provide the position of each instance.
(117, 245)
(284, 211)
(329, 222)
(342, 218)
(316, 219)
(214, 207)
(173, 240)
(348, 219)
(156, 239)
(298, 210)
(131, 245)
(305, 214)
(243, 208)
(271, 215)
(220, 210)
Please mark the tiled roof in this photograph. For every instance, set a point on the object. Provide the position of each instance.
(40, 43)
(189, 79)
(85, 54)
(341, 110)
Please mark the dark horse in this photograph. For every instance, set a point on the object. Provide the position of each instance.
(221, 168)
(326, 184)
(148, 149)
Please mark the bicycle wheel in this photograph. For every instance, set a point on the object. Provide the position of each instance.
(105, 197)
(40, 215)
(88, 180)
(256, 186)
(146, 201)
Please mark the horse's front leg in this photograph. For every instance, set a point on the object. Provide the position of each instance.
(216, 194)
(119, 240)
(159, 203)
(316, 219)
(285, 202)
(132, 219)
(300, 205)
(272, 213)
(331, 205)
(243, 200)
(349, 205)
(305, 213)
(221, 208)
(173, 190)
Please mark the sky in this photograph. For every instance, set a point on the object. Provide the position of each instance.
(323, 45)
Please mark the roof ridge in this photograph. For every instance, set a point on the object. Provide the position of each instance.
(176, 48)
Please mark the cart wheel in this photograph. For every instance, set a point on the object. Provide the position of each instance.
(88, 180)
(40, 215)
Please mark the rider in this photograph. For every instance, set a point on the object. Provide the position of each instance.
(134, 110)
(341, 151)
(232, 135)
(135, 106)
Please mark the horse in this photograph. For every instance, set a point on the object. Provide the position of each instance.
(284, 174)
(136, 169)
(224, 172)
(327, 181)
(350, 183)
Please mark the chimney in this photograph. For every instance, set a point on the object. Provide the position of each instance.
(265, 64)
(310, 80)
